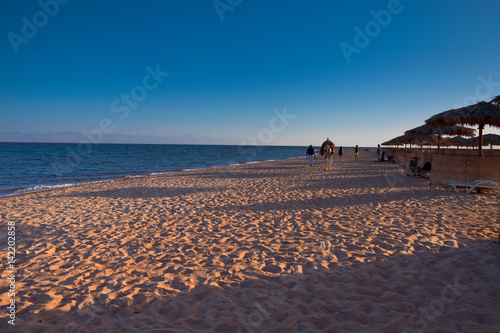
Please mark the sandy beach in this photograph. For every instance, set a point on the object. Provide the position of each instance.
(263, 247)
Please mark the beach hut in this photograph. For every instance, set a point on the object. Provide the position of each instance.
(441, 130)
(480, 114)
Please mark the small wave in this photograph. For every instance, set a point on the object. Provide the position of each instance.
(39, 188)
(47, 187)
(24, 166)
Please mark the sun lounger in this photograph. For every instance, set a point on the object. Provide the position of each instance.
(469, 187)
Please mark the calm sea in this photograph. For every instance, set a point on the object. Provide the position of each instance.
(26, 167)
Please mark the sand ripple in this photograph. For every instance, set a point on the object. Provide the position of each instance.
(273, 246)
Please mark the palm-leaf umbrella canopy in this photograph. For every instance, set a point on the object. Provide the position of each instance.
(472, 142)
(416, 139)
(458, 141)
(496, 100)
(431, 139)
(398, 141)
(488, 139)
(480, 114)
(492, 139)
(407, 139)
(440, 130)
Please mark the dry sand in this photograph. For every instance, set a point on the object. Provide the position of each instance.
(274, 246)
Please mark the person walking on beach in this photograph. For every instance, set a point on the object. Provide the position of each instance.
(341, 153)
(356, 153)
(310, 155)
(379, 153)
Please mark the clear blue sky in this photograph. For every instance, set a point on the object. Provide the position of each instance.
(231, 64)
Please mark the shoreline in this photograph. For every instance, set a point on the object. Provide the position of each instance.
(42, 183)
(44, 188)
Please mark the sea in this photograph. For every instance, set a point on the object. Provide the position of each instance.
(30, 167)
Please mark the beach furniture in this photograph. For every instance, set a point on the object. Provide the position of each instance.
(412, 166)
(425, 171)
(469, 187)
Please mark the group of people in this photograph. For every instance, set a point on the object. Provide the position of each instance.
(328, 145)
(382, 155)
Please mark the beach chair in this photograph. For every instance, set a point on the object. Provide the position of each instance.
(475, 185)
(413, 167)
(425, 171)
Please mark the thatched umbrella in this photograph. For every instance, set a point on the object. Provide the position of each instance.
(391, 142)
(496, 100)
(492, 139)
(431, 140)
(408, 139)
(416, 139)
(423, 139)
(482, 113)
(440, 130)
(458, 141)
(472, 142)
(488, 139)
(398, 141)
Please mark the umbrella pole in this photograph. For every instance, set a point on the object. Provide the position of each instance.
(481, 126)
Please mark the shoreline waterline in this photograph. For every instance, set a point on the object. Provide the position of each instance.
(45, 188)
(29, 167)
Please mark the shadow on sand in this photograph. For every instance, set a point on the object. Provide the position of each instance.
(450, 290)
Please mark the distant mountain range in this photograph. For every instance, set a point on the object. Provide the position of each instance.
(75, 137)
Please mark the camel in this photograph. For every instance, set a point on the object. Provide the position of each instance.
(327, 150)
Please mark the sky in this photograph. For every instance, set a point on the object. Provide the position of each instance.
(239, 71)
